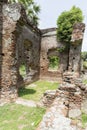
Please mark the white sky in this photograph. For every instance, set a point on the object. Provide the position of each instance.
(51, 9)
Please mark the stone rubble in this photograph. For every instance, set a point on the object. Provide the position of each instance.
(56, 117)
(66, 103)
(21, 42)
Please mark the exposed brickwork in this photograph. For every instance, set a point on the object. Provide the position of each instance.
(8, 55)
(69, 57)
(75, 48)
(18, 41)
(48, 44)
(65, 104)
(22, 42)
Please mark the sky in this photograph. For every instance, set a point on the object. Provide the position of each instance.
(51, 9)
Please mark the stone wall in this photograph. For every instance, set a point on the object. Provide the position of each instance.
(49, 46)
(75, 48)
(23, 43)
(28, 52)
(69, 54)
(65, 104)
(8, 64)
(64, 57)
(19, 41)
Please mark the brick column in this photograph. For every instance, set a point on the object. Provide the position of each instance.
(75, 48)
(10, 32)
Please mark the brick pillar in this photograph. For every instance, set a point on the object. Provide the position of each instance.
(8, 54)
(75, 48)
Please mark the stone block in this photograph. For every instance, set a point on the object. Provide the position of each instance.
(74, 113)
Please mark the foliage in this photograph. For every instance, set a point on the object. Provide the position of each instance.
(22, 70)
(32, 9)
(84, 55)
(84, 119)
(66, 21)
(35, 90)
(18, 117)
(61, 49)
(85, 64)
(85, 81)
(53, 62)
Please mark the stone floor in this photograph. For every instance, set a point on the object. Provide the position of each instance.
(25, 102)
(56, 118)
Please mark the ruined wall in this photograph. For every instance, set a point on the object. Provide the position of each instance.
(15, 30)
(75, 48)
(64, 57)
(28, 52)
(21, 42)
(8, 72)
(49, 46)
(69, 54)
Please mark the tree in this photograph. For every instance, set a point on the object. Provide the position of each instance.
(66, 21)
(32, 9)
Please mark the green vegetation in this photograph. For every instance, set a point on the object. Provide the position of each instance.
(18, 117)
(61, 49)
(22, 70)
(32, 9)
(85, 64)
(35, 91)
(84, 119)
(66, 21)
(84, 55)
(85, 81)
(53, 62)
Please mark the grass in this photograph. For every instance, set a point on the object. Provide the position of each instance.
(18, 117)
(85, 81)
(84, 120)
(36, 90)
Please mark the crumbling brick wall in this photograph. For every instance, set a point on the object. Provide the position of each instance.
(8, 72)
(49, 45)
(75, 48)
(20, 41)
(15, 30)
(28, 52)
(69, 55)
